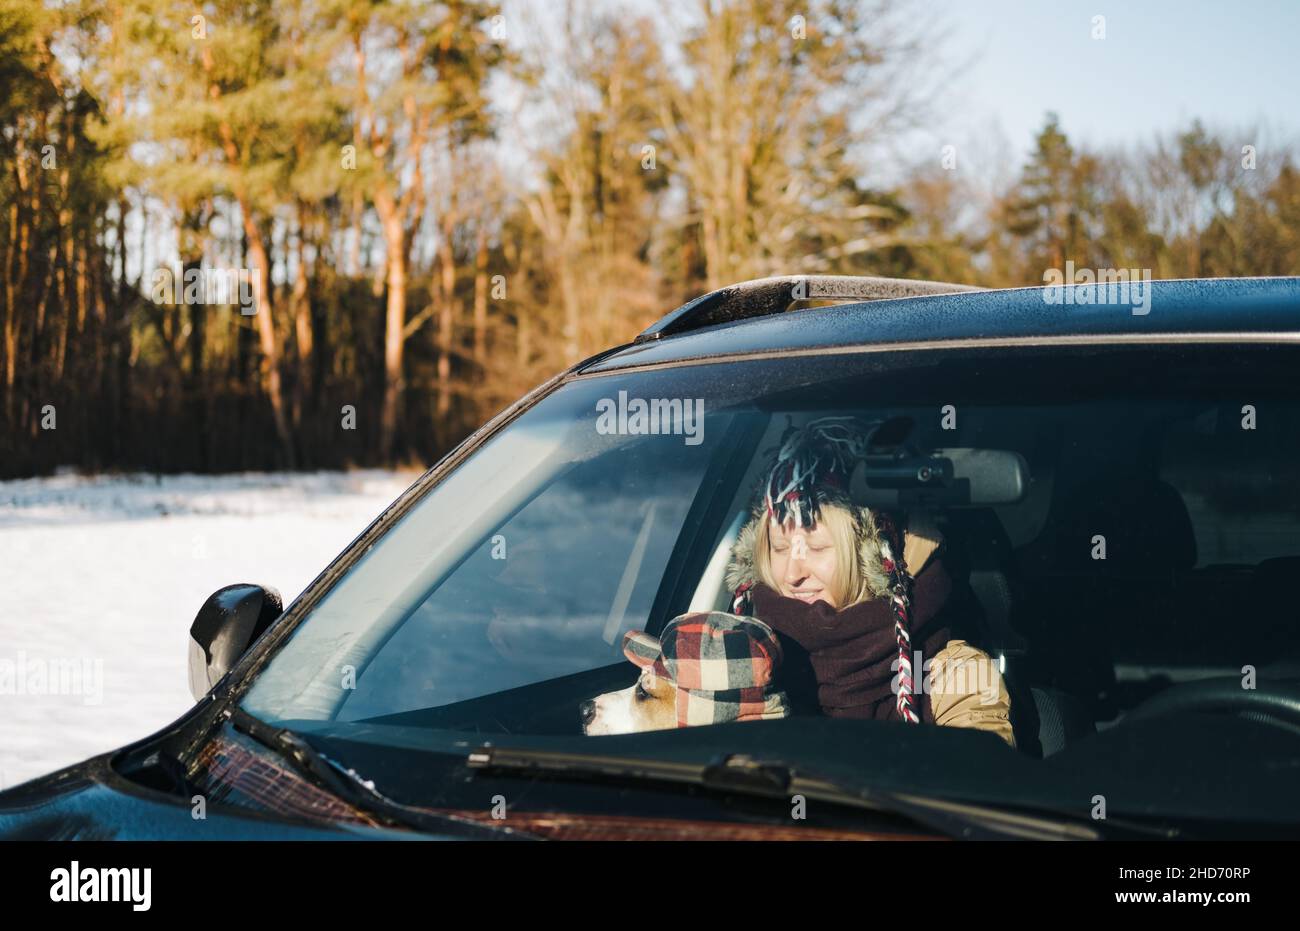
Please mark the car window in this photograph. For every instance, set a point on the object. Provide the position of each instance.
(527, 564)
(497, 604)
(1237, 480)
(548, 593)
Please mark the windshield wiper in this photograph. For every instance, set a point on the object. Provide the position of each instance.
(347, 785)
(743, 775)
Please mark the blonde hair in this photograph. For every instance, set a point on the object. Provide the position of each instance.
(851, 584)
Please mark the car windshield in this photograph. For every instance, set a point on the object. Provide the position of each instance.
(1149, 547)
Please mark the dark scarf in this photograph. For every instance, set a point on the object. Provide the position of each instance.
(850, 651)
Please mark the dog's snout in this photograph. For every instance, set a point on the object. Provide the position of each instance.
(588, 711)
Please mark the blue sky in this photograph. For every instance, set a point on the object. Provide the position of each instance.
(1161, 63)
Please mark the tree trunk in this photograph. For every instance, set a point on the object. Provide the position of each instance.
(270, 365)
(12, 297)
(394, 320)
(446, 318)
(480, 297)
(301, 303)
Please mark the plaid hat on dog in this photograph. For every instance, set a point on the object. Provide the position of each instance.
(722, 664)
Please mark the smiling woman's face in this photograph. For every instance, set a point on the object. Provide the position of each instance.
(804, 562)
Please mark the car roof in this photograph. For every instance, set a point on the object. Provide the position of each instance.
(1207, 309)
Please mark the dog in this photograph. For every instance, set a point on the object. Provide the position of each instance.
(705, 668)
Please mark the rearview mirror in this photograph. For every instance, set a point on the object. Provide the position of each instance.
(223, 630)
(941, 478)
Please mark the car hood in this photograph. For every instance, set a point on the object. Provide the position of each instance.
(89, 801)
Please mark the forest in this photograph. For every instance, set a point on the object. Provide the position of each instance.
(311, 234)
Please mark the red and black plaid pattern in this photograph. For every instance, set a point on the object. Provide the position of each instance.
(723, 666)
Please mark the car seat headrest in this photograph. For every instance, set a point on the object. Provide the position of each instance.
(1146, 527)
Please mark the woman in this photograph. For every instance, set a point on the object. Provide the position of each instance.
(824, 574)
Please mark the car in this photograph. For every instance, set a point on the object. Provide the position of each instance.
(1117, 492)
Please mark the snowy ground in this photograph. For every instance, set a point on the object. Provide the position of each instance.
(101, 577)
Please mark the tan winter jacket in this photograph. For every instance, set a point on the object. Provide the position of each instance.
(966, 689)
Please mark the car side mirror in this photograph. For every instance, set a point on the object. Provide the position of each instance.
(225, 627)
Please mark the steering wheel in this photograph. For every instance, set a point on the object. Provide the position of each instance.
(1277, 703)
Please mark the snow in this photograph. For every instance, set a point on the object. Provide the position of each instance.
(101, 578)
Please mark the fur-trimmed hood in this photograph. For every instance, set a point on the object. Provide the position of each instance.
(921, 540)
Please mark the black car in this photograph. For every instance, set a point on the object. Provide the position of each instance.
(428, 682)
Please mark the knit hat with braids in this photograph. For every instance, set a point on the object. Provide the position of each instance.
(812, 470)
